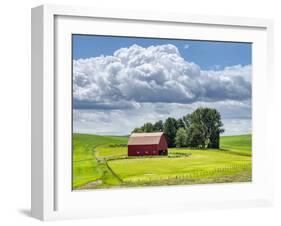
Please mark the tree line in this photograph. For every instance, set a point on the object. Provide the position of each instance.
(200, 129)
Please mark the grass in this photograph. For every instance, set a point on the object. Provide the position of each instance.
(105, 151)
(200, 164)
(241, 144)
(102, 162)
(86, 167)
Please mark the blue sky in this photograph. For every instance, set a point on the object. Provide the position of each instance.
(120, 83)
(207, 54)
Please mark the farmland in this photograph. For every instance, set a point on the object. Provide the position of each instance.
(102, 162)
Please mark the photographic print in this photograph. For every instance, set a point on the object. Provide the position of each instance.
(158, 112)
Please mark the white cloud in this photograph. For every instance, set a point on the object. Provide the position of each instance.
(114, 94)
(237, 126)
(235, 114)
(156, 74)
(186, 46)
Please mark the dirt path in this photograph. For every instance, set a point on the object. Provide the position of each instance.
(106, 171)
(113, 173)
(91, 185)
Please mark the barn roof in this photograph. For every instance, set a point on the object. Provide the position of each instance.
(145, 138)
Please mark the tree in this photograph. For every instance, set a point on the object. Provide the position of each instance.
(206, 126)
(158, 126)
(147, 127)
(194, 137)
(181, 138)
(214, 140)
(185, 120)
(202, 129)
(170, 129)
(137, 130)
(180, 124)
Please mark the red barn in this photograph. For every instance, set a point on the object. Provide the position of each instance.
(147, 144)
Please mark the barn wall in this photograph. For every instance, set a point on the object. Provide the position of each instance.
(163, 144)
(143, 149)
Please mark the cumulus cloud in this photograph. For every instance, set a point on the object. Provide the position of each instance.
(157, 74)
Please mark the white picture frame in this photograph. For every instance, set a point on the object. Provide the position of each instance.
(52, 197)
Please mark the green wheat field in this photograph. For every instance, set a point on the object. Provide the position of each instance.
(102, 162)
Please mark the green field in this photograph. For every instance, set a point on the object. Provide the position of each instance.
(102, 162)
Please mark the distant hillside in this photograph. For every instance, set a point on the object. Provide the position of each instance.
(239, 143)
